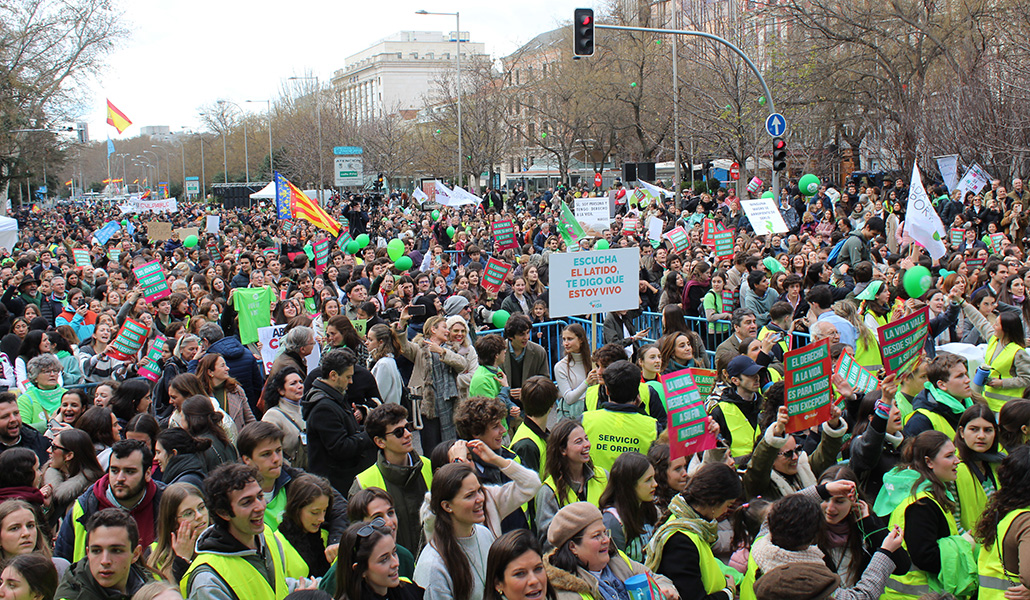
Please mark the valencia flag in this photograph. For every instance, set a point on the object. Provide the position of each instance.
(117, 118)
(291, 203)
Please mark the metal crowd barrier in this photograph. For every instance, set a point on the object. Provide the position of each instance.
(547, 334)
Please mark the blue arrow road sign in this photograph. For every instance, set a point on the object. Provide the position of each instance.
(776, 125)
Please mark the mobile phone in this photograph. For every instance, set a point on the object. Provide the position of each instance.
(416, 310)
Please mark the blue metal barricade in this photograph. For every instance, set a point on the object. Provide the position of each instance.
(547, 334)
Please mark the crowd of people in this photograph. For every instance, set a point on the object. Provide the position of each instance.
(407, 443)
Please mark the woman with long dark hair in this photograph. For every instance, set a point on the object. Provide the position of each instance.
(976, 440)
(34, 575)
(681, 549)
(852, 533)
(1008, 360)
(180, 456)
(36, 342)
(309, 500)
(515, 569)
(370, 551)
(213, 372)
(927, 515)
(201, 421)
(1014, 424)
(1004, 528)
(131, 397)
(73, 468)
(103, 429)
(453, 563)
(670, 475)
(571, 474)
(628, 503)
(575, 372)
(694, 291)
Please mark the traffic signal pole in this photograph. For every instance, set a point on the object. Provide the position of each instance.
(751, 65)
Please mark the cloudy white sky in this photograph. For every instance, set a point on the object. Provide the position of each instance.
(183, 54)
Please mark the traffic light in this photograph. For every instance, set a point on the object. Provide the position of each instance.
(779, 154)
(379, 181)
(583, 32)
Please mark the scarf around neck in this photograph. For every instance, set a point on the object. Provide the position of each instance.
(942, 397)
(682, 519)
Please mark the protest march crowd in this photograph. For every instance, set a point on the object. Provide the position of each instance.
(372, 400)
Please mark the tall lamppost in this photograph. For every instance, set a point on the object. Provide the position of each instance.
(246, 152)
(318, 117)
(271, 159)
(157, 170)
(457, 25)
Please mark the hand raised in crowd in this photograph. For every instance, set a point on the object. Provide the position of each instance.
(841, 487)
(835, 414)
(487, 455)
(780, 426)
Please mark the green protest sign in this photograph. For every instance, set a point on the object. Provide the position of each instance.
(854, 374)
(901, 341)
(723, 243)
(808, 390)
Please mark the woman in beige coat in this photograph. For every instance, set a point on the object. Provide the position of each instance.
(583, 547)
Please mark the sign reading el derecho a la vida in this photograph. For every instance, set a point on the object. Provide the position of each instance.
(595, 281)
(808, 390)
(902, 340)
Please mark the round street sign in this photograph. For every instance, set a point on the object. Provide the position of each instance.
(735, 171)
(597, 180)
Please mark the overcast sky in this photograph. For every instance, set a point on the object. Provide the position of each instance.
(183, 54)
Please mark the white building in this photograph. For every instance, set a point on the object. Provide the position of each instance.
(400, 71)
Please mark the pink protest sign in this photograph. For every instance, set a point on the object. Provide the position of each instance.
(688, 421)
(152, 278)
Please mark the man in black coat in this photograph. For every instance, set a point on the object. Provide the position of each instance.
(338, 447)
(13, 434)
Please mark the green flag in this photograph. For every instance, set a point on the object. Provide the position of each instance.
(570, 229)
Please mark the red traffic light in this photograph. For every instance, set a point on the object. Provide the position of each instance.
(586, 19)
(779, 144)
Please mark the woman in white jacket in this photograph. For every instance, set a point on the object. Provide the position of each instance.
(574, 373)
(383, 344)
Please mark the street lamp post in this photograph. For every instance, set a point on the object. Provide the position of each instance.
(246, 152)
(457, 25)
(318, 118)
(271, 159)
(157, 170)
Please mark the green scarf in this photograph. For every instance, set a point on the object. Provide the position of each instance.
(957, 406)
(683, 519)
(50, 400)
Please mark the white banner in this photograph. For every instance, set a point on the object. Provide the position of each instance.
(948, 166)
(765, 217)
(459, 196)
(213, 222)
(974, 180)
(595, 281)
(270, 339)
(135, 205)
(594, 215)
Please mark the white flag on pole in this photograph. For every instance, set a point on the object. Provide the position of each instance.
(443, 195)
(921, 220)
(460, 197)
(654, 190)
(419, 196)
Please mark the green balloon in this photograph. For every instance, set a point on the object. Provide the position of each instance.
(190, 241)
(500, 318)
(362, 240)
(352, 247)
(125, 222)
(403, 263)
(809, 184)
(602, 244)
(395, 249)
(435, 214)
(917, 281)
(450, 232)
(761, 100)
(769, 194)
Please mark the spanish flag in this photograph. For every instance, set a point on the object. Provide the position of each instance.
(117, 118)
(36, 209)
(290, 202)
(69, 182)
